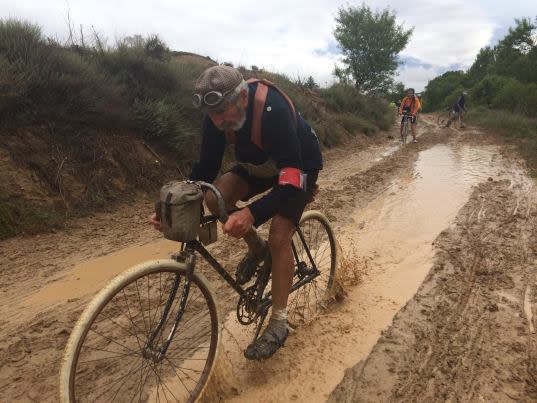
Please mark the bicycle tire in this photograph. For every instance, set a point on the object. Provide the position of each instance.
(405, 131)
(307, 301)
(192, 349)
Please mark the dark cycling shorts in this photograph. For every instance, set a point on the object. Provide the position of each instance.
(292, 208)
(412, 119)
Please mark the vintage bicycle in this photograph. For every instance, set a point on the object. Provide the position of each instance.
(153, 333)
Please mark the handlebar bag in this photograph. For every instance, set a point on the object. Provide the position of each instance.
(180, 206)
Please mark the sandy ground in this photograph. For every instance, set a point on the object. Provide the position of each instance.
(388, 205)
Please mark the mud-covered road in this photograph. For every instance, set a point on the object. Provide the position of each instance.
(438, 237)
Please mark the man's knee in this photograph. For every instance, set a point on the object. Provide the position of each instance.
(281, 232)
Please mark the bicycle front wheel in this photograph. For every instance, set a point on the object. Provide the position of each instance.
(405, 131)
(315, 251)
(116, 351)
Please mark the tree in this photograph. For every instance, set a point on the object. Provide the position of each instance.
(370, 42)
(440, 88)
(481, 66)
(311, 84)
(396, 93)
(516, 53)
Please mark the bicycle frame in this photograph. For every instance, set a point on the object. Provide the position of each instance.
(198, 247)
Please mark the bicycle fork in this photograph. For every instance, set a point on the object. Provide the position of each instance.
(155, 353)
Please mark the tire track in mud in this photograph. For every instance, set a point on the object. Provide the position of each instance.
(465, 335)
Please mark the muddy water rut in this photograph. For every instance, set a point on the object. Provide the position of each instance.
(388, 206)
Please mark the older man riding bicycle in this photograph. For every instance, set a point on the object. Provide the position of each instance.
(275, 151)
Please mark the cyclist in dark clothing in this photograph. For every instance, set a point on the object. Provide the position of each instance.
(285, 158)
(457, 110)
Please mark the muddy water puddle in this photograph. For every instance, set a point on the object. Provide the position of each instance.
(406, 217)
(90, 276)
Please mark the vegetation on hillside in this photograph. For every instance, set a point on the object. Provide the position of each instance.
(74, 115)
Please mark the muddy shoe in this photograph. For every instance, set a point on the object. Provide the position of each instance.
(269, 342)
(249, 263)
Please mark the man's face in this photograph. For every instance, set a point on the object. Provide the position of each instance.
(232, 116)
(410, 94)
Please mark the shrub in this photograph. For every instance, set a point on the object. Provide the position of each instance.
(162, 122)
(354, 123)
(343, 98)
(47, 83)
(26, 216)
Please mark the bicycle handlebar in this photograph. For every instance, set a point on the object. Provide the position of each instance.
(220, 200)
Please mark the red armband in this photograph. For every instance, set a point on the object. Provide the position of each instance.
(293, 177)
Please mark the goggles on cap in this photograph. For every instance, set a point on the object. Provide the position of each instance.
(212, 98)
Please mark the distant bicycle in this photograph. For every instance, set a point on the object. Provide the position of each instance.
(152, 333)
(449, 117)
(407, 120)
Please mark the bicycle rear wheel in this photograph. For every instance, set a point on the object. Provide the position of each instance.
(307, 301)
(108, 356)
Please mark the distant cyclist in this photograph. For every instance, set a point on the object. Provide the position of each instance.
(410, 105)
(457, 110)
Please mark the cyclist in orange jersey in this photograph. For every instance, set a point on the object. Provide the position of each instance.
(410, 105)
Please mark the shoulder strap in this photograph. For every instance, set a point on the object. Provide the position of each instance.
(260, 98)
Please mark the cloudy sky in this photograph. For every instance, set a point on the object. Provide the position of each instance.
(292, 37)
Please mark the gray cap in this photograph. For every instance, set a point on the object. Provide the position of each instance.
(218, 78)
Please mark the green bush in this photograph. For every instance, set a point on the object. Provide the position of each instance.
(354, 123)
(50, 84)
(162, 122)
(26, 216)
(343, 98)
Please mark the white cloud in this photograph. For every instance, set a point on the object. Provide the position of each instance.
(417, 77)
(283, 36)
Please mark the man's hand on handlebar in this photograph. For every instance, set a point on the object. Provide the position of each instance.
(239, 223)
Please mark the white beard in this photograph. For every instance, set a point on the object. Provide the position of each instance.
(240, 123)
